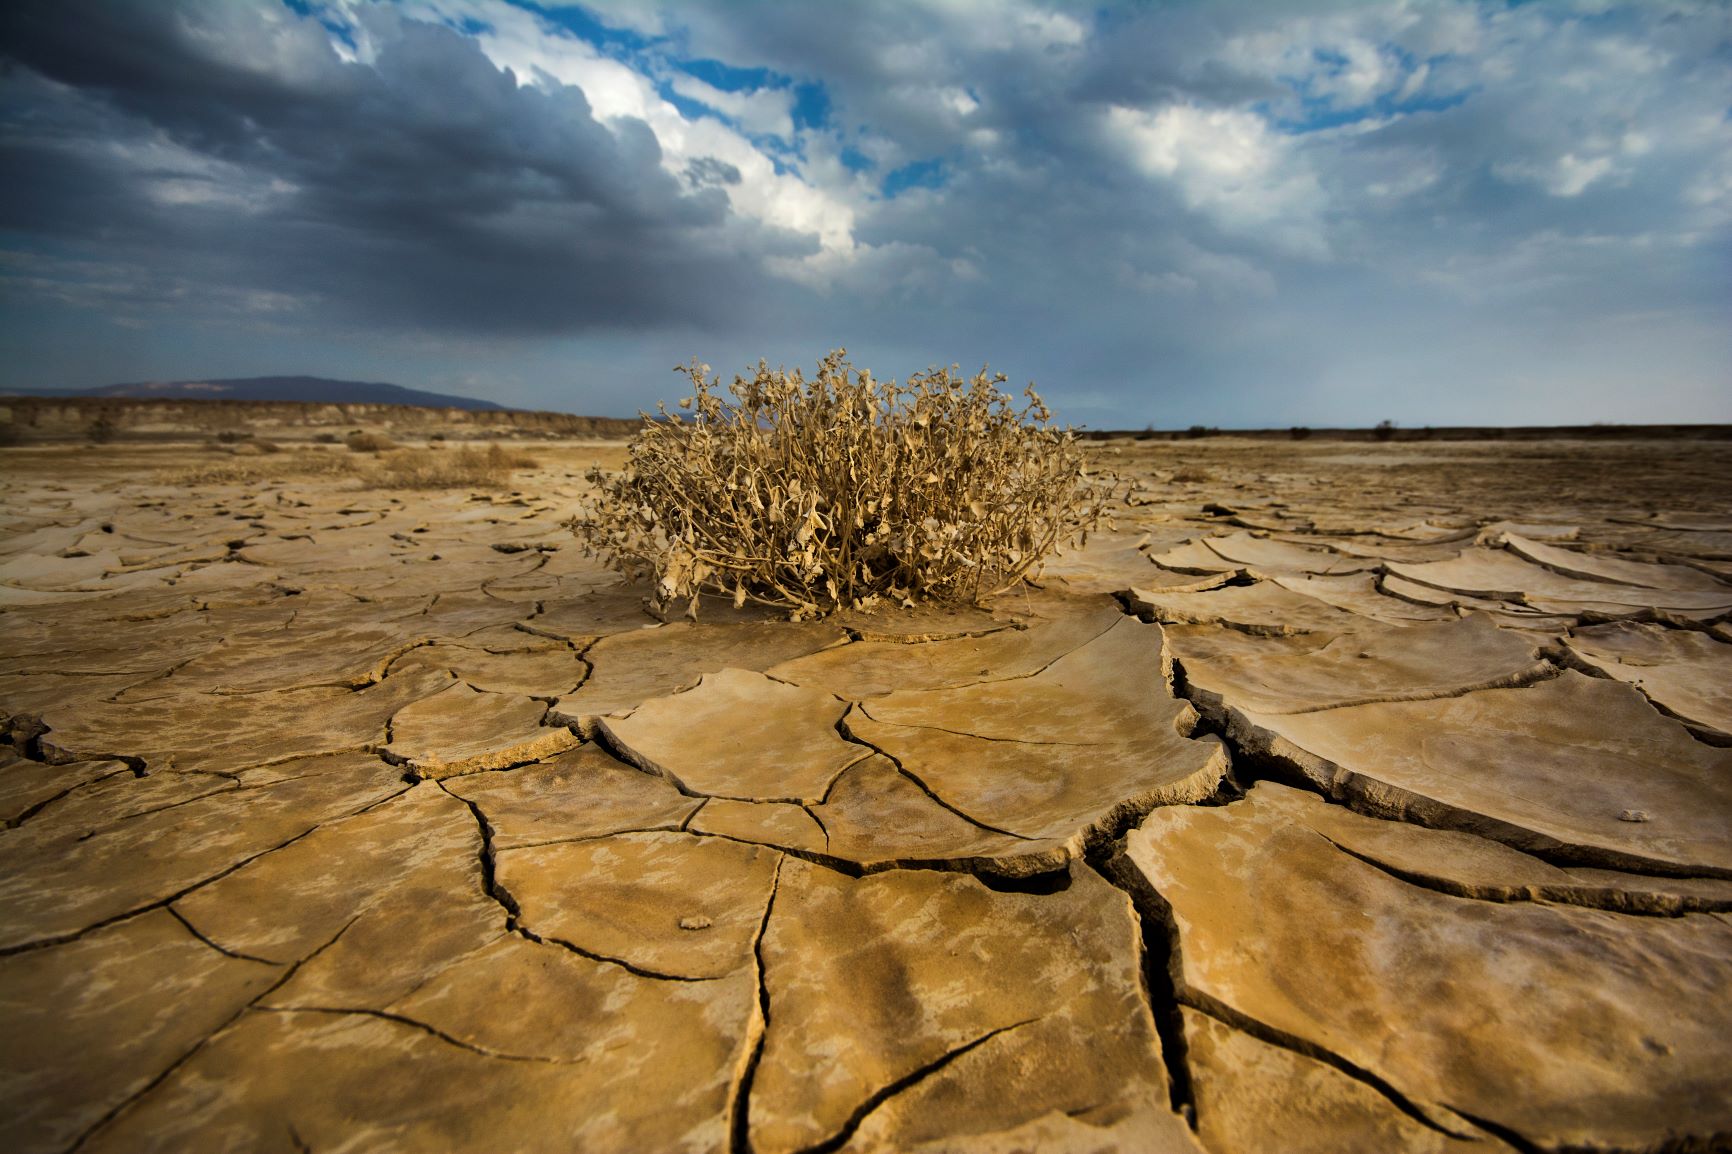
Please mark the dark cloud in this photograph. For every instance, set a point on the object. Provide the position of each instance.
(427, 188)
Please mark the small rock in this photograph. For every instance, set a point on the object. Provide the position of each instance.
(1633, 815)
(694, 922)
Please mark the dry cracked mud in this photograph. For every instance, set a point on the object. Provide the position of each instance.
(1340, 799)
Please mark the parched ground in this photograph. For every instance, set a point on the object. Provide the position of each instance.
(1345, 798)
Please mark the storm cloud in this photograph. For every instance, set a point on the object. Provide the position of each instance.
(1225, 214)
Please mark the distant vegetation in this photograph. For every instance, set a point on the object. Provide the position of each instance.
(32, 420)
(249, 469)
(359, 442)
(464, 468)
(841, 491)
(468, 467)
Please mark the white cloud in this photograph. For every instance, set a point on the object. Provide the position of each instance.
(876, 270)
(1229, 165)
(1365, 72)
(958, 100)
(1345, 62)
(763, 112)
(1572, 174)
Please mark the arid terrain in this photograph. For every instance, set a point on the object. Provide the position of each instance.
(1345, 797)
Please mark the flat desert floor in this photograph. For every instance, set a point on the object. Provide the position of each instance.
(1345, 797)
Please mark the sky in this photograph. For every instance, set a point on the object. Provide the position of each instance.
(1311, 212)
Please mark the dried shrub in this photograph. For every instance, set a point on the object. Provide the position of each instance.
(841, 491)
(369, 443)
(511, 458)
(243, 448)
(467, 468)
(224, 473)
(251, 469)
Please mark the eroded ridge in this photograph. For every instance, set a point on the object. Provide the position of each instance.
(1354, 822)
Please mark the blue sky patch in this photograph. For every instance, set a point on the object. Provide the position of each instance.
(730, 79)
(920, 174)
(582, 24)
(317, 12)
(856, 161)
(811, 105)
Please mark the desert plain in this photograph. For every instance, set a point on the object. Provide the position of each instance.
(1343, 797)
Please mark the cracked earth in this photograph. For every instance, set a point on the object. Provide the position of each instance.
(1345, 798)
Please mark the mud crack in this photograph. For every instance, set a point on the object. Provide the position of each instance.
(168, 1071)
(849, 735)
(757, 1032)
(1158, 948)
(907, 1082)
(425, 1028)
(495, 889)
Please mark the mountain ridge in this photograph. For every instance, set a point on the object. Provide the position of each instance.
(315, 390)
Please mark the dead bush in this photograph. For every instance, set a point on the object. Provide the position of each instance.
(512, 458)
(841, 491)
(369, 443)
(466, 468)
(251, 469)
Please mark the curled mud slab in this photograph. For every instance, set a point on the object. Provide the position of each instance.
(1369, 803)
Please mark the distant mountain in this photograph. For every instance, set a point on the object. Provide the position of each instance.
(320, 390)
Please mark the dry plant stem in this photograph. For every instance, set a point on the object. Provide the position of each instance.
(841, 491)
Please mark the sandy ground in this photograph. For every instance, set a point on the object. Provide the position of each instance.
(1343, 797)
